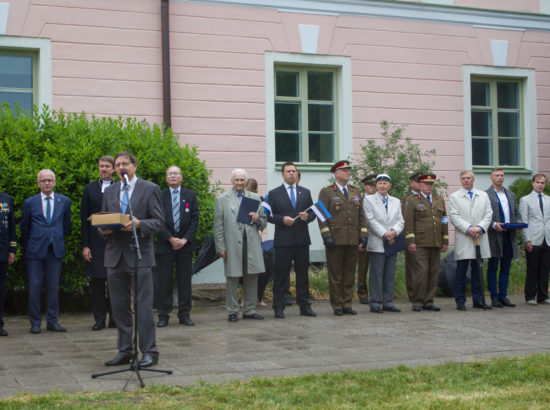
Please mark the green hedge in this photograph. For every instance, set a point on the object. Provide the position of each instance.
(523, 186)
(70, 145)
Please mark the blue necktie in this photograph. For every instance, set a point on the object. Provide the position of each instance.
(124, 202)
(385, 202)
(541, 205)
(48, 210)
(471, 194)
(240, 196)
(292, 197)
(176, 209)
(345, 191)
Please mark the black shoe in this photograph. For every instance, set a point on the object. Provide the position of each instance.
(364, 301)
(253, 316)
(288, 300)
(460, 306)
(56, 327)
(496, 303)
(232, 317)
(432, 308)
(306, 311)
(148, 360)
(279, 313)
(186, 321)
(163, 322)
(35, 329)
(349, 311)
(3, 332)
(376, 309)
(391, 309)
(483, 306)
(98, 326)
(506, 302)
(338, 312)
(417, 308)
(120, 359)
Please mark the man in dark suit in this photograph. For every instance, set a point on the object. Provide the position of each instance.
(45, 221)
(93, 244)
(121, 260)
(8, 247)
(289, 203)
(503, 242)
(175, 246)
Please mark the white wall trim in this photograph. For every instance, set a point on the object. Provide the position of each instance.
(499, 49)
(43, 47)
(397, 10)
(4, 13)
(309, 37)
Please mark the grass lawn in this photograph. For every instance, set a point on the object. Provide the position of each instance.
(516, 383)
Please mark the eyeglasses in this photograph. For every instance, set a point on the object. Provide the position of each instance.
(122, 164)
(47, 181)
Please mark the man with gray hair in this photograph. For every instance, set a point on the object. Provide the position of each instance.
(240, 246)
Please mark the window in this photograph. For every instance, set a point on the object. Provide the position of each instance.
(496, 122)
(17, 79)
(305, 115)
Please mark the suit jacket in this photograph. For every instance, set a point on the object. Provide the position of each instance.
(147, 207)
(380, 221)
(92, 200)
(466, 212)
(539, 226)
(8, 240)
(228, 235)
(37, 234)
(189, 220)
(297, 234)
(495, 237)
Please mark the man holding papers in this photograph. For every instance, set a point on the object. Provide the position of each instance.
(289, 204)
(238, 218)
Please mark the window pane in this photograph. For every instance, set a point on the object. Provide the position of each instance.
(508, 95)
(287, 84)
(16, 71)
(480, 94)
(508, 124)
(287, 147)
(321, 147)
(320, 117)
(481, 123)
(319, 86)
(287, 116)
(24, 99)
(509, 151)
(482, 151)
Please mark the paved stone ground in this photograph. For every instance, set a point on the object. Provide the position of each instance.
(215, 350)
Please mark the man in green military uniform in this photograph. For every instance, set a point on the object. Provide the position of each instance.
(8, 247)
(342, 235)
(426, 233)
(369, 184)
(409, 257)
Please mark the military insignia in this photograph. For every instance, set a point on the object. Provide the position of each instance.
(335, 198)
(187, 207)
(356, 198)
(420, 205)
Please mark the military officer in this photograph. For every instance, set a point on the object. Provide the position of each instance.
(342, 235)
(426, 234)
(369, 185)
(8, 247)
(409, 257)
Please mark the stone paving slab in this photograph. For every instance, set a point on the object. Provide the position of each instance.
(216, 351)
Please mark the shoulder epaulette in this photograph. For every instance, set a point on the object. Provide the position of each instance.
(327, 186)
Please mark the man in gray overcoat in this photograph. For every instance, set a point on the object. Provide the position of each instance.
(240, 246)
(503, 242)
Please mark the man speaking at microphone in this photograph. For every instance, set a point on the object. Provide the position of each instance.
(121, 259)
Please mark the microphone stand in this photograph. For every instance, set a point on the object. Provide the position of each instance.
(135, 366)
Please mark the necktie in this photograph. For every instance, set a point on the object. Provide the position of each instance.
(541, 205)
(429, 198)
(385, 202)
(176, 209)
(345, 191)
(292, 197)
(124, 202)
(48, 210)
(471, 194)
(240, 196)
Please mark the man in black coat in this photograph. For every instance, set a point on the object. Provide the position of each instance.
(8, 247)
(175, 247)
(289, 203)
(93, 244)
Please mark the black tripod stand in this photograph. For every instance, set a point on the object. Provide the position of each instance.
(135, 366)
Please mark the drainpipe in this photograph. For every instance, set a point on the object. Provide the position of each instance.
(166, 98)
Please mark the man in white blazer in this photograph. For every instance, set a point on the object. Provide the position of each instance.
(535, 211)
(385, 222)
(471, 214)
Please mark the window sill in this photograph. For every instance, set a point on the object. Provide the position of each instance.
(509, 170)
(307, 167)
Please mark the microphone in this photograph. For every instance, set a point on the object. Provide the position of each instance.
(124, 174)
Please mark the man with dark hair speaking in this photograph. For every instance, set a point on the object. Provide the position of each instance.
(121, 259)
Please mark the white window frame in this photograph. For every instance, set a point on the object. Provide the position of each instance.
(529, 121)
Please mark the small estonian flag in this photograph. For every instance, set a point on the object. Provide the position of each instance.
(322, 213)
(267, 207)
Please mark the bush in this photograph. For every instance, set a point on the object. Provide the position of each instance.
(70, 145)
(523, 186)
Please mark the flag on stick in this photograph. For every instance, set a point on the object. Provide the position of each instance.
(322, 213)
